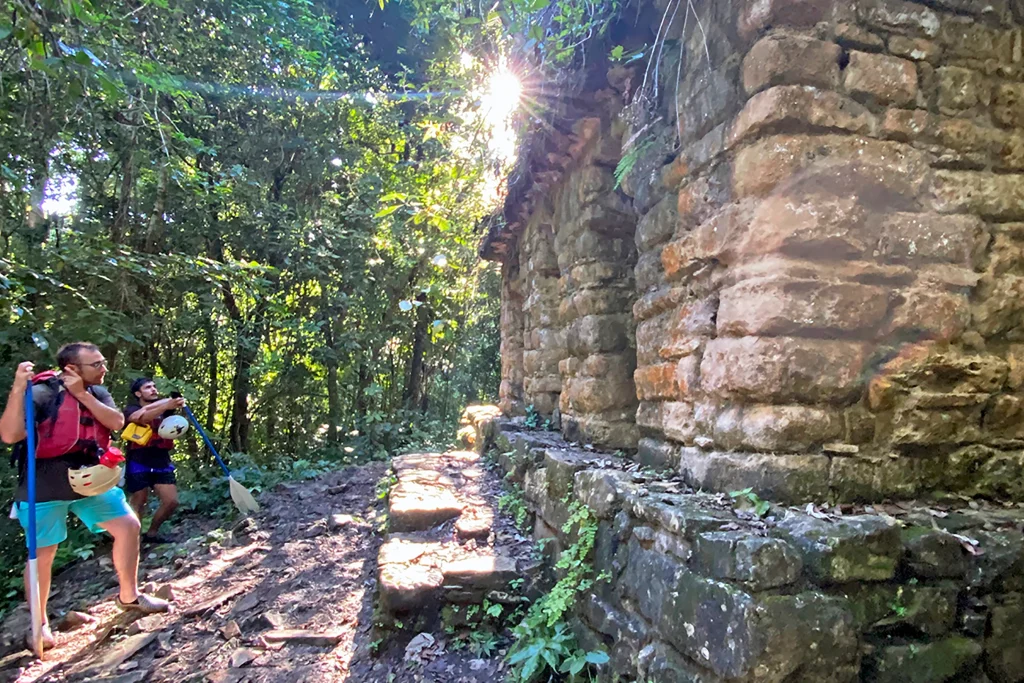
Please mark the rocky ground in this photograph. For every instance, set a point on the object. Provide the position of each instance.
(287, 595)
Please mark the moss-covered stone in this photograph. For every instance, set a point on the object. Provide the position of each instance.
(931, 553)
(924, 662)
(863, 547)
(1004, 644)
(930, 610)
(758, 562)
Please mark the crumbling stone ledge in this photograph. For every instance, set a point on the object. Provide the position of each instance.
(701, 591)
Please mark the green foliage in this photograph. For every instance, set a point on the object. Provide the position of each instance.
(512, 503)
(543, 641)
(748, 499)
(532, 420)
(630, 158)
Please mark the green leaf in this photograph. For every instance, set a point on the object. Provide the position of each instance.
(387, 211)
(4, 32)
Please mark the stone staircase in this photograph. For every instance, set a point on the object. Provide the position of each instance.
(445, 543)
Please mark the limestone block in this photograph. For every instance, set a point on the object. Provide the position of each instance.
(781, 478)
(916, 49)
(930, 553)
(974, 40)
(773, 369)
(889, 80)
(961, 88)
(687, 376)
(890, 173)
(597, 334)
(928, 610)
(786, 429)
(598, 489)
(657, 454)
(899, 16)
(1001, 564)
(756, 16)
(656, 382)
(1004, 657)
(804, 106)
(924, 313)
(790, 60)
(659, 663)
(915, 237)
(658, 225)
(593, 395)
(1008, 104)
(996, 197)
(925, 662)
(758, 562)
(774, 306)
(649, 273)
(853, 548)
(649, 414)
(678, 421)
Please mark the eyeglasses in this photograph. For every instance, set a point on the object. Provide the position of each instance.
(97, 365)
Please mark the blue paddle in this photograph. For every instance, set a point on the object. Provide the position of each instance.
(34, 604)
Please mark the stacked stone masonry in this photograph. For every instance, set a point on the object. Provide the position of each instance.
(810, 281)
(697, 592)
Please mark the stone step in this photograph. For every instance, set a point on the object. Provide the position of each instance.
(441, 546)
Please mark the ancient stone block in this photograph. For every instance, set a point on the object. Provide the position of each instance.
(648, 273)
(877, 171)
(974, 40)
(649, 579)
(783, 478)
(788, 429)
(597, 334)
(773, 306)
(740, 556)
(659, 663)
(657, 454)
(900, 16)
(790, 60)
(925, 662)
(1000, 565)
(648, 414)
(658, 225)
(799, 105)
(756, 16)
(916, 49)
(928, 314)
(961, 88)
(656, 382)
(1008, 104)
(916, 237)
(679, 422)
(930, 553)
(593, 395)
(783, 369)
(998, 197)
(598, 490)
(929, 610)
(1004, 657)
(854, 548)
(885, 79)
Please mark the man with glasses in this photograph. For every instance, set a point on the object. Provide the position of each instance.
(70, 435)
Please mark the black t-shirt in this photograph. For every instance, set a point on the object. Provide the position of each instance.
(147, 456)
(52, 473)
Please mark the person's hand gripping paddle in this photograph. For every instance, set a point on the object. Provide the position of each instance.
(239, 494)
(34, 603)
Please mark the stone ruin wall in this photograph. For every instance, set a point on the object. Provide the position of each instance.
(811, 280)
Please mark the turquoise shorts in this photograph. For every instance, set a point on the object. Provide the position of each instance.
(52, 517)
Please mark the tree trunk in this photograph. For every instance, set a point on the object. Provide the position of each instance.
(244, 357)
(211, 378)
(117, 229)
(155, 229)
(414, 384)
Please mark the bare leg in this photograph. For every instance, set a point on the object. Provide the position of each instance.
(168, 495)
(138, 501)
(125, 530)
(44, 566)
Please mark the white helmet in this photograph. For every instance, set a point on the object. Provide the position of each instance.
(92, 481)
(172, 427)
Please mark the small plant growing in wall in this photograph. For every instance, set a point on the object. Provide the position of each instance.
(533, 418)
(747, 499)
(544, 644)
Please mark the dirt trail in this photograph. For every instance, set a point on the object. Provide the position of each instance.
(285, 596)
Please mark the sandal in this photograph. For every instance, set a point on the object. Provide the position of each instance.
(146, 604)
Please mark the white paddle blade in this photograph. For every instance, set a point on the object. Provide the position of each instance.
(35, 608)
(243, 499)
